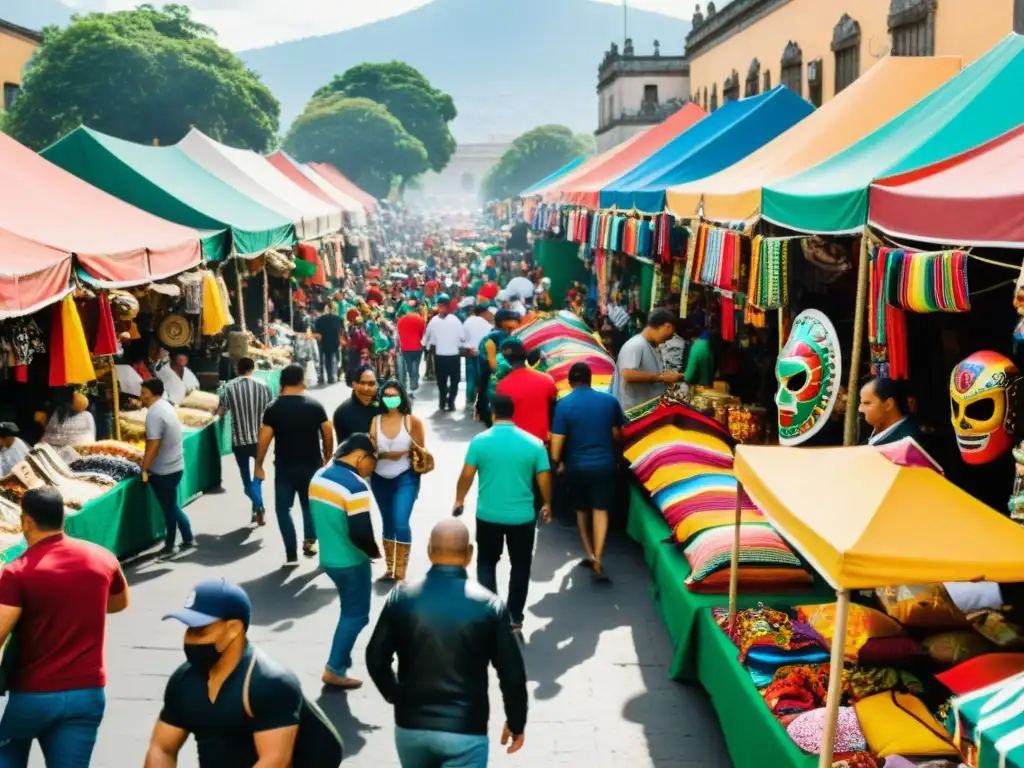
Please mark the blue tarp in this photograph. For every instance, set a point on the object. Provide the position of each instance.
(571, 165)
(722, 138)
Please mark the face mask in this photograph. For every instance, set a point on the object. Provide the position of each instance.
(202, 656)
(391, 401)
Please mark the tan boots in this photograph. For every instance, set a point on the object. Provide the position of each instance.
(389, 558)
(396, 556)
(401, 560)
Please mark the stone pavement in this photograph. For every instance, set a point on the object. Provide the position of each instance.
(597, 657)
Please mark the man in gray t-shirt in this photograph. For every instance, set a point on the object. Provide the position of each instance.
(640, 373)
(164, 463)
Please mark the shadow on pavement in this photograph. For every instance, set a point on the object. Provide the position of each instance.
(454, 427)
(137, 577)
(283, 595)
(224, 549)
(335, 705)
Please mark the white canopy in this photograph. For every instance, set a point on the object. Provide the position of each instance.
(252, 175)
(355, 210)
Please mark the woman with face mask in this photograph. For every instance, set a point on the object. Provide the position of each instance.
(395, 484)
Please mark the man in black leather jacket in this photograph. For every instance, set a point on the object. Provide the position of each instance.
(446, 631)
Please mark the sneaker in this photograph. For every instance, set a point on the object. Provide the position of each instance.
(291, 562)
(166, 553)
(345, 683)
(310, 548)
(188, 548)
(452, 407)
(260, 518)
(601, 576)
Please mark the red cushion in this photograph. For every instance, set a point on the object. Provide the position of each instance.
(981, 671)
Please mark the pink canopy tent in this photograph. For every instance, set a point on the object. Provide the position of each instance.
(48, 216)
(976, 198)
(338, 179)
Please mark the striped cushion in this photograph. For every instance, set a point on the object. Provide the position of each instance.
(760, 545)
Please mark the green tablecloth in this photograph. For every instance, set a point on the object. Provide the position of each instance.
(127, 520)
(678, 606)
(271, 378)
(752, 734)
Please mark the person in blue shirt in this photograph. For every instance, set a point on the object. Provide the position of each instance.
(587, 426)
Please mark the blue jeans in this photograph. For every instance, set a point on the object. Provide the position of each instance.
(65, 724)
(329, 362)
(440, 749)
(353, 585)
(243, 455)
(165, 488)
(290, 479)
(411, 363)
(472, 374)
(396, 497)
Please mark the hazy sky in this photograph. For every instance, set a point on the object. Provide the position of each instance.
(255, 23)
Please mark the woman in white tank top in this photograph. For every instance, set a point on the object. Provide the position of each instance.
(395, 485)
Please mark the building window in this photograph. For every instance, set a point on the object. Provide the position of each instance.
(731, 87)
(767, 80)
(611, 107)
(651, 94)
(912, 26)
(846, 47)
(714, 97)
(753, 78)
(11, 93)
(815, 77)
(793, 68)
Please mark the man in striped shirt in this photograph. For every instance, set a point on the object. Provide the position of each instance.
(246, 398)
(339, 502)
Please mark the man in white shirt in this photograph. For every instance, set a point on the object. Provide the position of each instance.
(477, 326)
(446, 334)
(12, 448)
(177, 377)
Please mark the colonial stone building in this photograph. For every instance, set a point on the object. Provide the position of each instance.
(819, 47)
(636, 91)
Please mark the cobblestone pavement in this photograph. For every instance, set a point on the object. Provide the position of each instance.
(597, 657)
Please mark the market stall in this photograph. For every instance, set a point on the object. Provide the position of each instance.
(723, 138)
(316, 185)
(885, 91)
(553, 177)
(342, 184)
(168, 183)
(255, 177)
(885, 524)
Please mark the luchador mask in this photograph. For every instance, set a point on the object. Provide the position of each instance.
(981, 406)
(809, 369)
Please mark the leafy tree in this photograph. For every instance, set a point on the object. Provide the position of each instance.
(361, 138)
(424, 111)
(532, 156)
(144, 75)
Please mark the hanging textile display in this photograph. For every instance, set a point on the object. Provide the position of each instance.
(768, 284)
(106, 333)
(215, 315)
(925, 282)
(887, 326)
(70, 359)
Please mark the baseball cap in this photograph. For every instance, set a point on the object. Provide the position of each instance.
(214, 600)
(9, 429)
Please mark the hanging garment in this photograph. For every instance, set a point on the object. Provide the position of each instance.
(106, 333)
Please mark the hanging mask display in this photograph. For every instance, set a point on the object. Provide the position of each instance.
(981, 406)
(808, 370)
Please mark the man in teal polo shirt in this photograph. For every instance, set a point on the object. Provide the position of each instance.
(508, 461)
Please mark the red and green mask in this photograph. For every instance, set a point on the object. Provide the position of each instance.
(808, 371)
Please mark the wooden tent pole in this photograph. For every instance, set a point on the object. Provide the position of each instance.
(835, 678)
(734, 565)
(266, 304)
(116, 399)
(860, 310)
(241, 298)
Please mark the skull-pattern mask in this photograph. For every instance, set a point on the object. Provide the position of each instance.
(979, 399)
(808, 371)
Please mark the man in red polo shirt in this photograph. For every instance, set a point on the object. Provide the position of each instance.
(55, 598)
(533, 392)
(411, 326)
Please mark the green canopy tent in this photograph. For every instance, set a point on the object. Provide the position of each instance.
(167, 183)
(975, 106)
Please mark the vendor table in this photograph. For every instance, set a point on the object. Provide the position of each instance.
(753, 736)
(127, 520)
(678, 606)
(271, 378)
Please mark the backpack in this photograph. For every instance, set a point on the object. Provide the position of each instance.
(317, 744)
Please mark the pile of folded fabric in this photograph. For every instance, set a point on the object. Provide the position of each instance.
(684, 459)
(563, 339)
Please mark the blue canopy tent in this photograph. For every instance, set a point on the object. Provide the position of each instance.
(571, 165)
(722, 138)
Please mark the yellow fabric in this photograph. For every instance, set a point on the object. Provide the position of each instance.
(885, 91)
(215, 316)
(672, 434)
(889, 730)
(665, 476)
(922, 607)
(862, 625)
(77, 357)
(864, 522)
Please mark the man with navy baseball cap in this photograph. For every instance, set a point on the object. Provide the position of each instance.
(241, 712)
